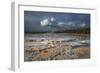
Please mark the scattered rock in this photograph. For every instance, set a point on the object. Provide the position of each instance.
(55, 50)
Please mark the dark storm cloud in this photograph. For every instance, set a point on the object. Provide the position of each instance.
(36, 21)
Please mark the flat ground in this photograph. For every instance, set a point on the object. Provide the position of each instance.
(56, 47)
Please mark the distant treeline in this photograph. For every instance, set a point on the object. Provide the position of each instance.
(78, 31)
(82, 30)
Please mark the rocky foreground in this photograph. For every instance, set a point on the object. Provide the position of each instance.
(41, 50)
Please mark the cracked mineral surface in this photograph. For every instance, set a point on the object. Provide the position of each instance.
(41, 47)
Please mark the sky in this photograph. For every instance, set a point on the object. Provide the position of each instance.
(36, 21)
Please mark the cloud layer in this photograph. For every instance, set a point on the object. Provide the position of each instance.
(51, 21)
